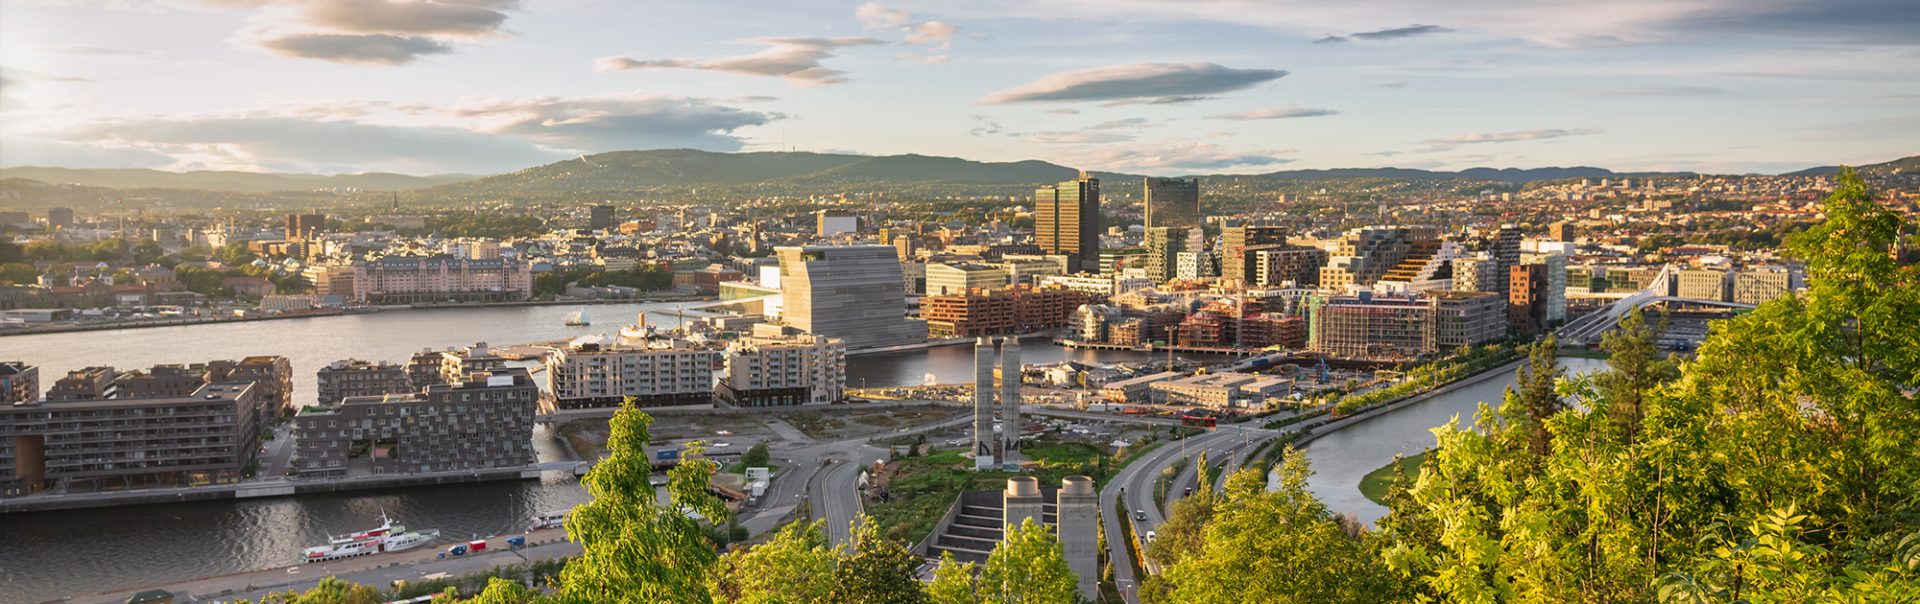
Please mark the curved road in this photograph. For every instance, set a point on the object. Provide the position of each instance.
(1131, 491)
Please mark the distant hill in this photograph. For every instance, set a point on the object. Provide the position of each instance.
(1511, 175)
(1904, 165)
(627, 170)
(229, 181)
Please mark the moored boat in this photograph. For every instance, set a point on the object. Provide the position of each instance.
(388, 537)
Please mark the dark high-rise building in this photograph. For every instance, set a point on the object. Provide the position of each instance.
(600, 217)
(1172, 202)
(1237, 242)
(301, 227)
(59, 217)
(1066, 221)
(1505, 250)
(1527, 298)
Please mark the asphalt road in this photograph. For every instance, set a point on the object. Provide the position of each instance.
(1131, 492)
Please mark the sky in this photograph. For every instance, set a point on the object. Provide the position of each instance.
(1145, 86)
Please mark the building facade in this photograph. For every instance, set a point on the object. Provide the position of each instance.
(353, 378)
(1238, 242)
(210, 436)
(482, 423)
(1373, 327)
(1281, 266)
(960, 277)
(1017, 310)
(854, 293)
(429, 279)
(656, 371)
(1172, 202)
(1066, 221)
(19, 383)
(773, 368)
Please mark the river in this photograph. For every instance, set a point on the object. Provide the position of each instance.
(53, 554)
(1341, 459)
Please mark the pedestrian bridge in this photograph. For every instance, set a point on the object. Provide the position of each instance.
(1589, 328)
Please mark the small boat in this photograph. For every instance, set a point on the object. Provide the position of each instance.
(549, 520)
(389, 537)
(578, 318)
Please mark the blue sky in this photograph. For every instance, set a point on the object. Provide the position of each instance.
(1152, 86)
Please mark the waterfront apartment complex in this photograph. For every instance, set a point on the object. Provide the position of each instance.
(354, 377)
(411, 279)
(482, 422)
(1015, 310)
(656, 371)
(855, 293)
(1401, 327)
(777, 367)
(209, 436)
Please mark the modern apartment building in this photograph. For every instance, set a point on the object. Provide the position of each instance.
(428, 279)
(1527, 298)
(1475, 274)
(655, 370)
(854, 293)
(1195, 265)
(1283, 265)
(960, 277)
(1467, 318)
(19, 383)
(354, 377)
(1364, 255)
(91, 383)
(1172, 202)
(1066, 221)
(1237, 243)
(776, 367)
(209, 436)
(600, 217)
(484, 422)
(1016, 310)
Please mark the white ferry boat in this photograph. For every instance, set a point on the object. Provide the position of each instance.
(389, 537)
(578, 318)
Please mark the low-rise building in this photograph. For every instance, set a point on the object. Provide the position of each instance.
(777, 367)
(483, 422)
(960, 278)
(1375, 327)
(417, 279)
(1135, 389)
(1219, 390)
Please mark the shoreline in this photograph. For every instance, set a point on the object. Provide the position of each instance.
(53, 329)
(254, 489)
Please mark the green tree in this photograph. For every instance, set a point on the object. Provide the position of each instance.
(635, 550)
(331, 590)
(1028, 567)
(795, 566)
(146, 251)
(954, 582)
(876, 570)
(1636, 368)
(1537, 398)
(504, 591)
(757, 456)
(18, 273)
(1187, 519)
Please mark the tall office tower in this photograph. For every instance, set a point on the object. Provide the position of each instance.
(1237, 242)
(59, 218)
(1505, 249)
(1076, 516)
(301, 227)
(1066, 221)
(1009, 398)
(1172, 202)
(853, 292)
(600, 217)
(1164, 244)
(983, 441)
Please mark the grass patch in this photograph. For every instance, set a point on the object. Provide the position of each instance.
(1376, 483)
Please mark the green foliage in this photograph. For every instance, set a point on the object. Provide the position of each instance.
(794, 566)
(757, 456)
(488, 225)
(876, 571)
(645, 278)
(634, 549)
(1428, 376)
(18, 273)
(331, 590)
(1277, 546)
(953, 582)
(1028, 567)
(1182, 534)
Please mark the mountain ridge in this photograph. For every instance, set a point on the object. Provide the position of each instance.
(231, 181)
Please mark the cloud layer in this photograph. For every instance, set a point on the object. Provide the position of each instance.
(1135, 81)
(369, 32)
(796, 60)
(365, 49)
(1509, 137)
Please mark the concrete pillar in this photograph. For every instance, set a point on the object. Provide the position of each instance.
(1009, 398)
(983, 441)
(1076, 524)
(1022, 500)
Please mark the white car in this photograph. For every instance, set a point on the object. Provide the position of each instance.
(722, 445)
(1151, 536)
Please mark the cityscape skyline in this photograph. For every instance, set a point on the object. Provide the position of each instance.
(483, 86)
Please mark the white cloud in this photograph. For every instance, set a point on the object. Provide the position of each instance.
(935, 33)
(1274, 113)
(368, 32)
(1135, 81)
(364, 49)
(796, 60)
(1175, 156)
(1509, 137)
(875, 16)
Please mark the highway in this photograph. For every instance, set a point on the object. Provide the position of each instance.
(1136, 483)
